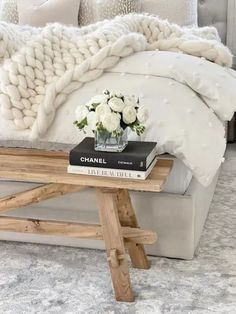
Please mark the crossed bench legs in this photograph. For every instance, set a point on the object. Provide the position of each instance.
(115, 210)
(119, 229)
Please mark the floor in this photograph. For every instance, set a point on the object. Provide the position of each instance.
(46, 279)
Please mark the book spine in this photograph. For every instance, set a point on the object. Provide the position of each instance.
(103, 161)
(112, 173)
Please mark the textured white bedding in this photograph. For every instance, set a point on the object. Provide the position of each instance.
(179, 179)
(38, 74)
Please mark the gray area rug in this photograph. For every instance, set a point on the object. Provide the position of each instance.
(49, 279)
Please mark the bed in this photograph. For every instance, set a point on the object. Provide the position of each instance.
(178, 214)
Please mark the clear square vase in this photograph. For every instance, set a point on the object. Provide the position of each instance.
(108, 142)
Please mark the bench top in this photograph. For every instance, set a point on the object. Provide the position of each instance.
(51, 167)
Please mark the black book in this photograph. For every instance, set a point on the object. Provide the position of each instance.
(136, 156)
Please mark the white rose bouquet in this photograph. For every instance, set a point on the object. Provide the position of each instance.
(112, 112)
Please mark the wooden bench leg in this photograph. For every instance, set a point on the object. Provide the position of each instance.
(128, 219)
(36, 195)
(114, 242)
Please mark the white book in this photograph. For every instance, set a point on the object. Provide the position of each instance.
(114, 173)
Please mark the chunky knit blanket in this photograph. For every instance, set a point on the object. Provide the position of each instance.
(41, 67)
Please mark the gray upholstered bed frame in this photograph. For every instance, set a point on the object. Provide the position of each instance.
(178, 219)
(222, 15)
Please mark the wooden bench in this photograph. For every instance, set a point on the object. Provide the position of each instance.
(119, 226)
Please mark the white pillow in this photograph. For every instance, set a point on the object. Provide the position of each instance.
(40, 12)
(92, 11)
(182, 12)
(8, 11)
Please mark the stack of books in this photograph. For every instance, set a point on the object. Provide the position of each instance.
(135, 162)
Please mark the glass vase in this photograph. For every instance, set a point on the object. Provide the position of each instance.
(108, 142)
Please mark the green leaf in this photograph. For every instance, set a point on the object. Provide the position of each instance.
(80, 125)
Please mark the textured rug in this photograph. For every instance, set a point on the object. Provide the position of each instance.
(49, 279)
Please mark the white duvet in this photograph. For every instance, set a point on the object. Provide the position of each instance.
(188, 99)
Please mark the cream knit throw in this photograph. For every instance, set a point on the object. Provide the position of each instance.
(41, 67)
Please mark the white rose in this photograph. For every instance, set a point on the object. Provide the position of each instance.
(101, 110)
(99, 99)
(129, 114)
(118, 114)
(111, 121)
(92, 120)
(81, 113)
(131, 101)
(142, 114)
(116, 104)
